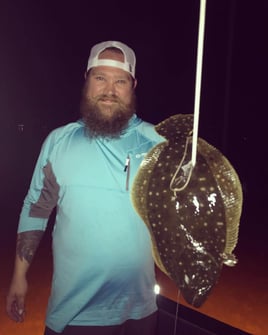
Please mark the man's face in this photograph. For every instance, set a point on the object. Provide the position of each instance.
(108, 99)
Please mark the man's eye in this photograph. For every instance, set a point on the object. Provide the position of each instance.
(121, 81)
(99, 78)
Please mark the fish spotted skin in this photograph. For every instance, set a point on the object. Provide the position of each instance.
(192, 213)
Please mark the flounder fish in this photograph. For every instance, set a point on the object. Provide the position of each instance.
(192, 212)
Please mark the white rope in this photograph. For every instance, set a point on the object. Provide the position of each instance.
(200, 45)
(198, 78)
(183, 173)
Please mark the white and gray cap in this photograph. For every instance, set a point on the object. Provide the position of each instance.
(128, 65)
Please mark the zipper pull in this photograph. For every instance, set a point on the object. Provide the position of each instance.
(126, 169)
(126, 164)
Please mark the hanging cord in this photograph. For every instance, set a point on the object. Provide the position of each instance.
(179, 183)
(198, 78)
(177, 312)
(183, 173)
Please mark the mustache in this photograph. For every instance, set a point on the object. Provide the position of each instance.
(103, 97)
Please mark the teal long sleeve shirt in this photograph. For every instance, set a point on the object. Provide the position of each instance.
(103, 266)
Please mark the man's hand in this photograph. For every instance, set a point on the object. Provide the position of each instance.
(27, 243)
(15, 302)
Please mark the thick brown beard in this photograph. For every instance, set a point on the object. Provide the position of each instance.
(98, 125)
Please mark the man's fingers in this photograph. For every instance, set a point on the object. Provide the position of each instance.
(16, 310)
(20, 304)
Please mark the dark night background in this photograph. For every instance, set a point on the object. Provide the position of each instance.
(44, 50)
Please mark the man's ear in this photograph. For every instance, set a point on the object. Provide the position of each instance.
(135, 82)
(86, 74)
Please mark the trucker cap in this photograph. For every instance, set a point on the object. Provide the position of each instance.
(128, 65)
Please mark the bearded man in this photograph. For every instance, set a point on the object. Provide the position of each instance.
(103, 274)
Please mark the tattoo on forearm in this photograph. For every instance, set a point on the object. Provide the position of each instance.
(27, 244)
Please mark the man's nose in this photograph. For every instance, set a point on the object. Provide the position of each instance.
(109, 88)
